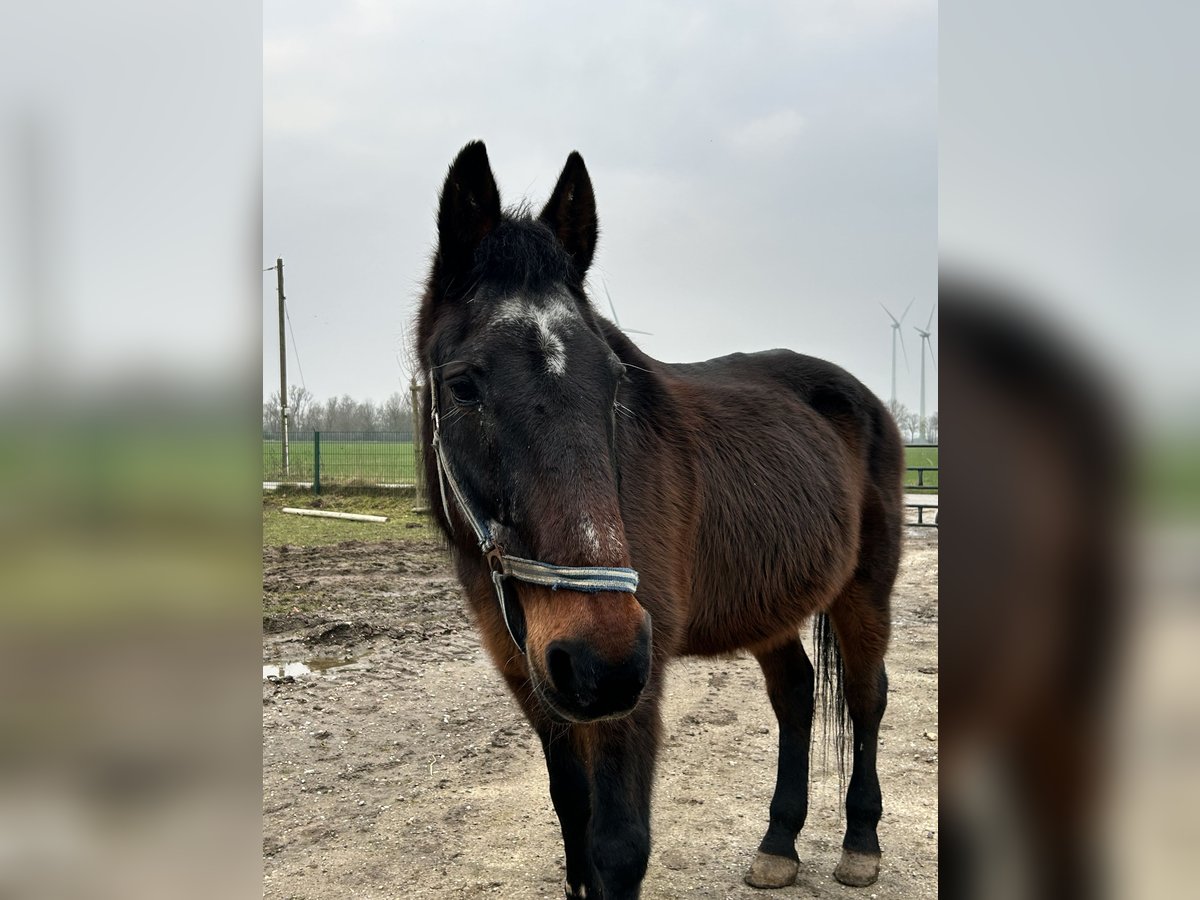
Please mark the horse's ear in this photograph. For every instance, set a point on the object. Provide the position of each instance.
(571, 214)
(469, 209)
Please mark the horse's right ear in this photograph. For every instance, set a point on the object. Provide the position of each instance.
(571, 214)
(468, 210)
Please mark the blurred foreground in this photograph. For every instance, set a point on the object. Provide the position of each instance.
(1069, 729)
(130, 138)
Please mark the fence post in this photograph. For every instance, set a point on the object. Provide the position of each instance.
(418, 447)
(316, 462)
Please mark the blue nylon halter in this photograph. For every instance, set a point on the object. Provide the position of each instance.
(588, 579)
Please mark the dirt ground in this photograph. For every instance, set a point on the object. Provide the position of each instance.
(396, 766)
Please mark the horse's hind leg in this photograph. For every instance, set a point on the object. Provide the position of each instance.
(860, 618)
(789, 677)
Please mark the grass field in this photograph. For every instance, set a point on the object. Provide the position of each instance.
(342, 462)
(279, 528)
(921, 456)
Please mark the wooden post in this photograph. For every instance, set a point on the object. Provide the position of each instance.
(420, 497)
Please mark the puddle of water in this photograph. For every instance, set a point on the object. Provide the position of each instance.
(296, 668)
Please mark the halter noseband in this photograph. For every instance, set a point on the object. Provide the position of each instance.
(588, 579)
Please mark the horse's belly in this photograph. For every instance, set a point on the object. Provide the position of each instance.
(756, 604)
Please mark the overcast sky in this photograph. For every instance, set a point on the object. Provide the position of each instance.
(765, 174)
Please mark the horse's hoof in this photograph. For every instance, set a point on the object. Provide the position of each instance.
(770, 871)
(857, 869)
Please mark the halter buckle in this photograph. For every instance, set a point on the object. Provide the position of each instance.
(495, 559)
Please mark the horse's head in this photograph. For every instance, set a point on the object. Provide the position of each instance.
(527, 387)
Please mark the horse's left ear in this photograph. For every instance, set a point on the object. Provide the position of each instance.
(571, 214)
(468, 210)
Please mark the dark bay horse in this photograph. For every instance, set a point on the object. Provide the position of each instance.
(608, 512)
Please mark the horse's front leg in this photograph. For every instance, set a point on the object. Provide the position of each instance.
(572, 797)
(570, 790)
(622, 755)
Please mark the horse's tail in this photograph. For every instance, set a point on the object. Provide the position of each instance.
(830, 694)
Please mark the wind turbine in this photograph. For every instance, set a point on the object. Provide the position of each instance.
(925, 343)
(896, 323)
(613, 307)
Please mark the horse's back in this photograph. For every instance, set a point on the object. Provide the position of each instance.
(858, 417)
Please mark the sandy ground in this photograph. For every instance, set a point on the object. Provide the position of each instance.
(397, 766)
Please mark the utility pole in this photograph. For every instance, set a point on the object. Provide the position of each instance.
(283, 387)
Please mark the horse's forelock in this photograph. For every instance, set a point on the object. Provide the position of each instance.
(521, 253)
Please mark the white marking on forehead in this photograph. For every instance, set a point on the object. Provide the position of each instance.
(556, 353)
(549, 320)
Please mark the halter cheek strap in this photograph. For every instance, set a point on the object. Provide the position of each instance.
(588, 579)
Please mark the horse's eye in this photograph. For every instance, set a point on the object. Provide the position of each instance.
(464, 391)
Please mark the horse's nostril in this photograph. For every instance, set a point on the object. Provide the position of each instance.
(560, 669)
(625, 685)
(590, 686)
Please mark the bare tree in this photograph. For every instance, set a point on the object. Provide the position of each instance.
(395, 414)
(366, 416)
(300, 401)
(271, 414)
(344, 413)
(902, 416)
(339, 413)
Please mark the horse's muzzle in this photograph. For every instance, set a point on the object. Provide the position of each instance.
(584, 687)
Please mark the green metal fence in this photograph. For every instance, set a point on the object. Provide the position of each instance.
(332, 458)
(921, 468)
